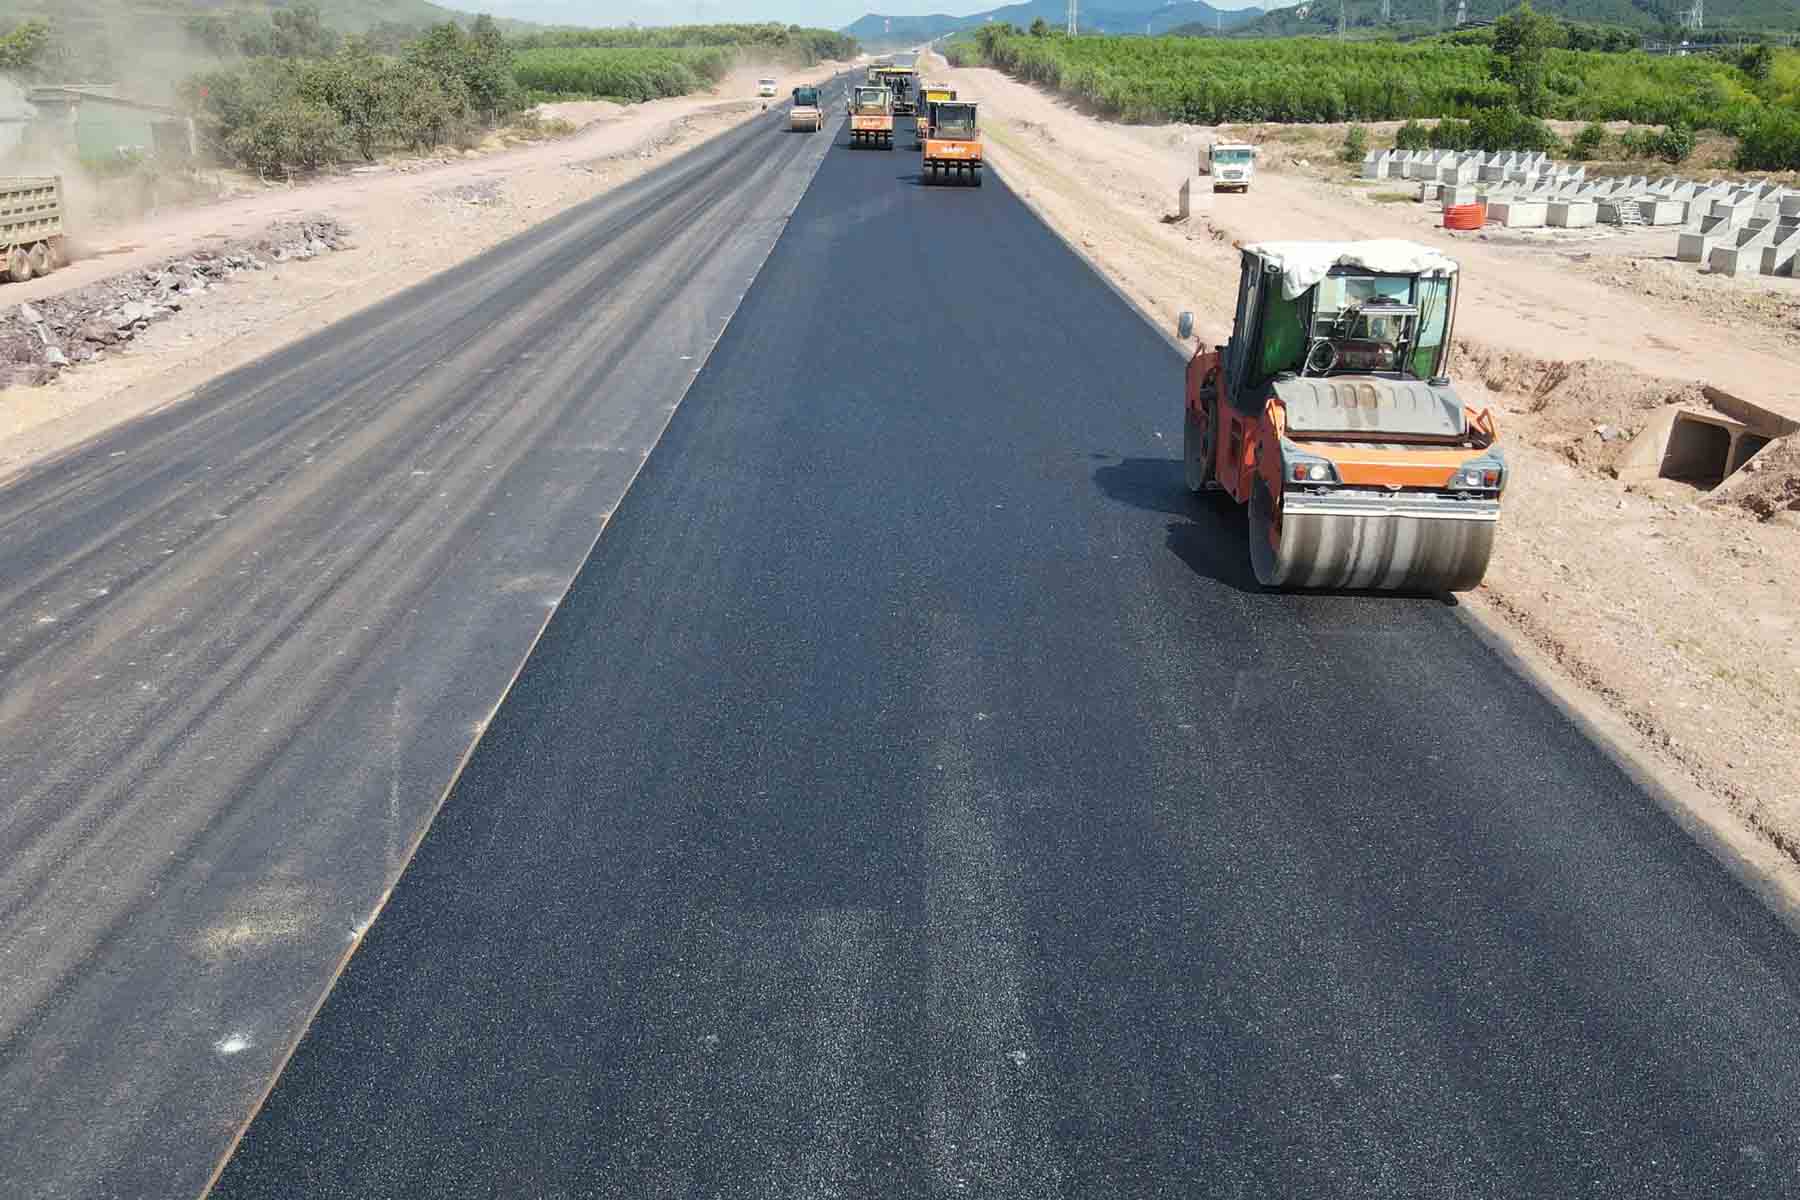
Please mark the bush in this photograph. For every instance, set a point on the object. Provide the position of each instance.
(292, 135)
(1674, 144)
(1451, 134)
(1771, 144)
(1412, 136)
(1671, 145)
(1356, 144)
(1589, 143)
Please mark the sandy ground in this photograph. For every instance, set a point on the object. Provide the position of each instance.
(1675, 625)
(409, 219)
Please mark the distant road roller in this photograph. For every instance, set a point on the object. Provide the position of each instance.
(1330, 416)
(808, 112)
(872, 117)
(952, 142)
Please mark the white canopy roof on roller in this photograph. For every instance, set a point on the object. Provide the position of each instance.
(1303, 264)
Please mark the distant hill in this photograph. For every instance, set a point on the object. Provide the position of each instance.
(1321, 16)
(1107, 16)
(345, 16)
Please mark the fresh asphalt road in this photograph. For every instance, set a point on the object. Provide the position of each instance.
(915, 796)
(246, 641)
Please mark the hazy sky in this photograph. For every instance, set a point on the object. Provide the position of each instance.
(830, 14)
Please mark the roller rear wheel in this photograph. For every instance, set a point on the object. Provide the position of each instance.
(1199, 451)
(18, 265)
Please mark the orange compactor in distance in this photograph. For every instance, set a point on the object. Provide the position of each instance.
(1329, 414)
(951, 142)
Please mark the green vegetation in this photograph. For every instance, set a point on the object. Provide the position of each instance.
(282, 114)
(1772, 143)
(1589, 143)
(21, 48)
(788, 44)
(1521, 77)
(624, 74)
(644, 64)
(1356, 144)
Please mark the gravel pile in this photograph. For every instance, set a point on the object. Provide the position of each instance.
(40, 339)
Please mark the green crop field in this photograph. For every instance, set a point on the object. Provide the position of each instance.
(1209, 81)
(623, 74)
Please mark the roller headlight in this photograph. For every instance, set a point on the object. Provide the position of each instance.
(1485, 476)
(1311, 470)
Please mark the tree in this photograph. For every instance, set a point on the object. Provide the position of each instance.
(300, 32)
(1040, 28)
(21, 47)
(1356, 144)
(1522, 40)
(479, 60)
(1758, 62)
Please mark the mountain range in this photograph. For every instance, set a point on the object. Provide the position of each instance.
(1107, 16)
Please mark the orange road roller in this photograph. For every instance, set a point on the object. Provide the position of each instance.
(952, 142)
(1330, 416)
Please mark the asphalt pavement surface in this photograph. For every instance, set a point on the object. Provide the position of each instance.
(914, 795)
(245, 643)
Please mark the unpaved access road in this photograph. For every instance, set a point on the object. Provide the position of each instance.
(245, 641)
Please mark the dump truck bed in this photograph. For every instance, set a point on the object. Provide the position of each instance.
(31, 210)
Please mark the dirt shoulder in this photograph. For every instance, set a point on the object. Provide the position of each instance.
(1671, 623)
(408, 220)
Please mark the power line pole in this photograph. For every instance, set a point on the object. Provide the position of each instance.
(1072, 4)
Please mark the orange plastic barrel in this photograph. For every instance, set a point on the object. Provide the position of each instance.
(1465, 216)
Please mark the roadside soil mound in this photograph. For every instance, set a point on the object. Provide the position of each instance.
(1586, 410)
(1768, 484)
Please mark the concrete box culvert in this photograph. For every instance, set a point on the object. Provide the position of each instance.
(1695, 446)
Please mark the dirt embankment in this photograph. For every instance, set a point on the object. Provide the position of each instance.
(398, 222)
(1671, 617)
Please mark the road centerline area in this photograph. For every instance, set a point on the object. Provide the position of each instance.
(915, 795)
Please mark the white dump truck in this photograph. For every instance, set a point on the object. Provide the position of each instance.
(32, 238)
(1231, 165)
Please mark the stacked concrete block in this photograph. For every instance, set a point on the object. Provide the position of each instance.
(1696, 246)
(1458, 170)
(1375, 164)
(1742, 251)
(1460, 193)
(1663, 212)
(1571, 214)
(1517, 213)
(1769, 205)
(1430, 190)
(1779, 256)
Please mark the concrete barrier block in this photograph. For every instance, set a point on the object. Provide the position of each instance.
(1778, 257)
(1518, 214)
(1741, 254)
(1571, 214)
(1663, 212)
